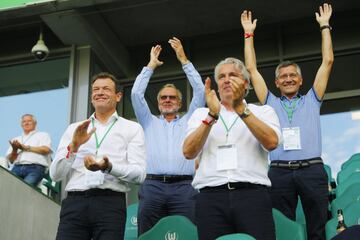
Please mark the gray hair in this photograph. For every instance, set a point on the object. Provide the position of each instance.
(238, 65)
(286, 64)
(29, 115)
(170, 85)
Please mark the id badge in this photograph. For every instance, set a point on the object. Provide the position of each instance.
(94, 179)
(291, 138)
(226, 157)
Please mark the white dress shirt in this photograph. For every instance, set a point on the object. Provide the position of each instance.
(124, 145)
(33, 139)
(252, 157)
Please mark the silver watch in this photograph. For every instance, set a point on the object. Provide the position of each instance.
(246, 112)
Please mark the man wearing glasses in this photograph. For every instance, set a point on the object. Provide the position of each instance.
(167, 189)
(296, 167)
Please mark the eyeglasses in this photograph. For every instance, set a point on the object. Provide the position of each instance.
(171, 97)
(288, 75)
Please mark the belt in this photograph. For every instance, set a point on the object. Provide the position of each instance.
(168, 178)
(296, 164)
(232, 186)
(95, 192)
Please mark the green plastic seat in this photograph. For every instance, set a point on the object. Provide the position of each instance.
(236, 236)
(350, 195)
(353, 158)
(300, 216)
(346, 172)
(287, 229)
(353, 178)
(131, 227)
(351, 217)
(53, 188)
(172, 227)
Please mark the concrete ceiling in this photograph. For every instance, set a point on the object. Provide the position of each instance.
(121, 31)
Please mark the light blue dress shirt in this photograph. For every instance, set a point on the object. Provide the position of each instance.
(164, 139)
(306, 116)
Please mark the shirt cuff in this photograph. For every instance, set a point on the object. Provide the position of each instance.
(117, 171)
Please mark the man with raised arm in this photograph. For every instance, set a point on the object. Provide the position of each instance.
(296, 167)
(167, 189)
(231, 139)
(101, 156)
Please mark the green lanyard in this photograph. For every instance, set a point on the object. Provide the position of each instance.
(226, 128)
(291, 108)
(98, 144)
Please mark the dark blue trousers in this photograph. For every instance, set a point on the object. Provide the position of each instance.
(245, 210)
(311, 184)
(92, 217)
(158, 199)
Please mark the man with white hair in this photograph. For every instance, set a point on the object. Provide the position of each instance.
(30, 152)
(231, 139)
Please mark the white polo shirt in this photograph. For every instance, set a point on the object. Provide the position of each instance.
(252, 157)
(33, 139)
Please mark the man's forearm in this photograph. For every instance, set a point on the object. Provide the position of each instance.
(195, 141)
(43, 150)
(326, 47)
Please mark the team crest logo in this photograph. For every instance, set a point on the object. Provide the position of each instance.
(133, 221)
(171, 236)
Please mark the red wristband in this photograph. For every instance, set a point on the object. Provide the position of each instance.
(209, 120)
(248, 35)
(69, 152)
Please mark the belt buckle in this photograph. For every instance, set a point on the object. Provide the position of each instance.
(293, 164)
(229, 187)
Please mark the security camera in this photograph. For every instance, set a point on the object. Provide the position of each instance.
(40, 50)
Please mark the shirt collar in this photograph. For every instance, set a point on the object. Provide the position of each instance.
(30, 133)
(113, 117)
(176, 118)
(298, 95)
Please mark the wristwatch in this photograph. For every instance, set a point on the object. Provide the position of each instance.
(245, 113)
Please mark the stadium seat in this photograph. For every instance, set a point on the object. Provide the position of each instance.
(353, 158)
(287, 229)
(346, 172)
(236, 236)
(300, 216)
(53, 188)
(353, 178)
(351, 217)
(351, 194)
(131, 227)
(172, 227)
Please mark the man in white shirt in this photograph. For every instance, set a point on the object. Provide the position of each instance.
(30, 152)
(101, 156)
(231, 139)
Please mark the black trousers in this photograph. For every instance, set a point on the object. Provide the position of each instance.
(311, 184)
(245, 210)
(98, 217)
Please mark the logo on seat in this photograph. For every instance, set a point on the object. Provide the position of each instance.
(171, 236)
(133, 220)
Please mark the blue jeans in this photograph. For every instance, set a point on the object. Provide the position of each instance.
(158, 200)
(31, 173)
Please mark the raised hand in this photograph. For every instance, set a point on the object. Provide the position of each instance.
(154, 57)
(93, 165)
(247, 23)
(238, 86)
(324, 14)
(81, 135)
(179, 50)
(212, 100)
